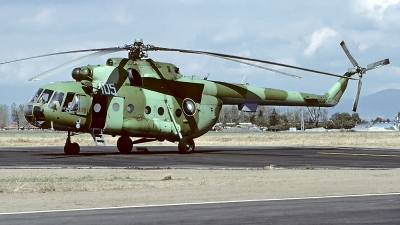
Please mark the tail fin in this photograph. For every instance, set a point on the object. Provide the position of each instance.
(335, 93)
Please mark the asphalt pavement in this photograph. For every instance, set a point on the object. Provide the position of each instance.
(362, 209)
(203, 157)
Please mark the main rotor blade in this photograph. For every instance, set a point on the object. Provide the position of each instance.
(153, 48)
(73, 63)
(377, 64)
(346, 50)
(355, 103)
(261, 67)
(67, 52)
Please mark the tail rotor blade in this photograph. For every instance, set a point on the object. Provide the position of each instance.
(377, 64)
(357, 95)
(346, 50)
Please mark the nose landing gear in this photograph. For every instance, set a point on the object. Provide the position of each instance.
(71, 148)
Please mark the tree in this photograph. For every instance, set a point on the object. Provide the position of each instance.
(335, 116)
(4, 115)
(260, 119)
(377, 120)
(273, 118)
(284, 122)
(317, 115)
(229, 114)
(17, 114)
(356, 118)
(343, 121)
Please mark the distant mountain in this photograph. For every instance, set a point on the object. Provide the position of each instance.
(384, 104)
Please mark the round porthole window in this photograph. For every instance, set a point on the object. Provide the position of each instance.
(189, 107)
(115, 107)
(130, 108)
(147, 110)
(161, 111)
(97, 107)
(178, 113)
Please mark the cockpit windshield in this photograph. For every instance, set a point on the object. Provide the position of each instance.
(35, 96)
(45, 97)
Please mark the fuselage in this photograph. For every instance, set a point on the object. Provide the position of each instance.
(143, 98)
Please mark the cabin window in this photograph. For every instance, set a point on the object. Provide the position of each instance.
(178, 113)
(130, 108)
(80, 105)
(115, 107)
(36, 96)
(160, 111)
(56, 101)
(147, 110)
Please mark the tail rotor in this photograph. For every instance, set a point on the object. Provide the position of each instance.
(361, 71)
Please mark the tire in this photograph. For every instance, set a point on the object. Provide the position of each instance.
(72, 149)
(124, 145)
(186, 145)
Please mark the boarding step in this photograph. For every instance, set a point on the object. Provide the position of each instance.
(98, 136)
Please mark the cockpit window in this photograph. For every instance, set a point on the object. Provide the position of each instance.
(36, 96)
(56, 101)
(45, 97)
(68, 102)
(75, 104)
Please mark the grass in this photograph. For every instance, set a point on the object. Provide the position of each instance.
(55, 183)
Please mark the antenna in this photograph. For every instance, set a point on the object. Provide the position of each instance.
(244, 81)
(206, 77)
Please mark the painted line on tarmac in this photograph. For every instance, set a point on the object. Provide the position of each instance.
(357, 154)
(203, 203)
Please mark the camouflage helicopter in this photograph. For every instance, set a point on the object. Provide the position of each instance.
(141, 98)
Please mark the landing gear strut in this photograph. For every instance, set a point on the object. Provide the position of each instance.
(186, 145)
(71, 148)
(124, 144)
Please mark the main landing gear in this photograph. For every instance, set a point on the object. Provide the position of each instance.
(125, 144)
(71, 148)
(186, 145)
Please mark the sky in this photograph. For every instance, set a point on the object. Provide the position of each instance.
(303, 33)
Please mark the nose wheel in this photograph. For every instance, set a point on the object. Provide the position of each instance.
(71, 148)
(186, 145)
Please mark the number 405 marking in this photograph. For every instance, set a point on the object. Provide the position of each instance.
(108, 89)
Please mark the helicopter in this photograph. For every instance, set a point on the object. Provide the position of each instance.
(136, 97)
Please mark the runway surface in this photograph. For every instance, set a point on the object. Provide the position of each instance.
(363, 209)
(203, 157)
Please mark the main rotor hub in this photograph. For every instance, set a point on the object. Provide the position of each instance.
(137, 50)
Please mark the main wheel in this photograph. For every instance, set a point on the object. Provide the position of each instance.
(124, 144)
(186, 145)
(72, 149)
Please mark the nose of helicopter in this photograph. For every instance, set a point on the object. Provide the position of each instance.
(38, 113)
(34, 114)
